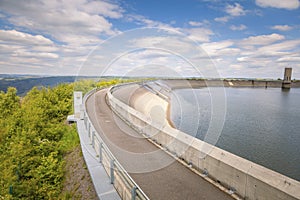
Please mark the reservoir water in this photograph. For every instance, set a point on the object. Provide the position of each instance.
(261, 125)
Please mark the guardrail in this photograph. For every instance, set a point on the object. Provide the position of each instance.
(163, 92)
(122, 181)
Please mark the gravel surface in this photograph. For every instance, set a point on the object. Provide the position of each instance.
(78, 183)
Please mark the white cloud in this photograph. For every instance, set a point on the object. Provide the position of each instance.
(217, 45)
(175, 44)
(48, 48)
(193, 23)
(27, 53)
(200, 34)
(243, 59)
(104, 8)
(72, 28)
(13, 36)
(147, 41)
(235, 10)
(289, 59)
(141, 20)
(79, 22)
(149, 62)
(238, 28)
(261, 40)
(16, 45)
(23, 53)
(196, 23)
(60, 34)
(271, 59)
(282, 46)
(285, 4)
(222, 19)
(231, 58)
(149, 47)
(270, 53)
(8, 47)
(282, 27)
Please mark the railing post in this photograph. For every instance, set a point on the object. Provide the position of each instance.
(100, 152)
(112, 175)
(89, 130)
(133, 193)
(10, 190)
(85, 119)
(93, 139)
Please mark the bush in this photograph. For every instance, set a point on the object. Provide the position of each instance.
(34, 138)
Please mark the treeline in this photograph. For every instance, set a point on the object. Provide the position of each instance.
(23, 85)
(34, 139)
(88, 84)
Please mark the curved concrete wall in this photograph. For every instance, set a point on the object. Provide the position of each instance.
(245, 178)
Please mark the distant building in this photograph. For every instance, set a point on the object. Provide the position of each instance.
(287, 79)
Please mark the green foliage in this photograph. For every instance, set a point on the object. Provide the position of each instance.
(86, 85)
(69, 140)
(34, 139)
(9, 102)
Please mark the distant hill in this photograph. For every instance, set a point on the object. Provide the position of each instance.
(25, 83)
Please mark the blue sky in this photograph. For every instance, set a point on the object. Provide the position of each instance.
(236, 38)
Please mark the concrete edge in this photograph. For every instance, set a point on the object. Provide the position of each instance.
(101, 181)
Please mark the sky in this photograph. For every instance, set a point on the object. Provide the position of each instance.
(206, 38)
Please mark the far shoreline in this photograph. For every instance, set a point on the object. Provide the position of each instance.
(198, 83)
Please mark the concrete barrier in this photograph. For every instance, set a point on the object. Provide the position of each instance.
(240, 176)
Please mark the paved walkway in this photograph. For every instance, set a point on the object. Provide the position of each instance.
(157, 173)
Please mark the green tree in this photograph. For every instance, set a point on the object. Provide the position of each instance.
(34, 129)
(34, 139)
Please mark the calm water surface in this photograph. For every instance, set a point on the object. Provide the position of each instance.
(261, 125)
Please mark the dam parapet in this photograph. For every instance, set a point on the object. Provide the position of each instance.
(239, 176)
(199, 83)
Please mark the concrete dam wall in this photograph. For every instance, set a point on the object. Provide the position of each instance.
(146, 112)
(176, 84)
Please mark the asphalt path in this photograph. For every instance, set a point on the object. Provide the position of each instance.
(159, 175)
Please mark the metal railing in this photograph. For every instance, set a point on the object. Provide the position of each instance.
(124, 184)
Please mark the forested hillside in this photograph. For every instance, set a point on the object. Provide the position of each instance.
(24, 84)
(34, 139)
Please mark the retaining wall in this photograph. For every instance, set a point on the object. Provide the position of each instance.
(240, 176)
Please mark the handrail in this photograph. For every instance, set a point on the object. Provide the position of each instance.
(136, 191)
(157, 92)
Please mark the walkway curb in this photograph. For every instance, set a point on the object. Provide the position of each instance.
(104, 189)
